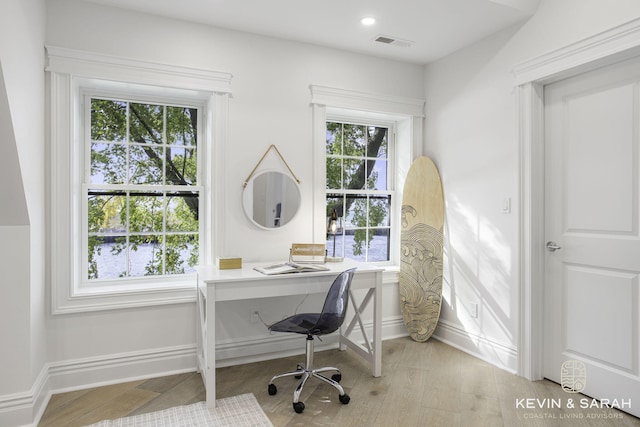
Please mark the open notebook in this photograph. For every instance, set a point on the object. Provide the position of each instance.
(289, 267)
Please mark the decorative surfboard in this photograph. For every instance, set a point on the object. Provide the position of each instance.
(421, 249)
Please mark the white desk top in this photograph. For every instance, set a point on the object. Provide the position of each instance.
(211, 274)
(247, 283)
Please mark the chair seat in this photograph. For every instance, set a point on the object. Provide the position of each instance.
(303, 323)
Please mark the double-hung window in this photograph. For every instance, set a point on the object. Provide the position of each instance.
(359, 189)
(361, 143)
(142, 189)
(135, 148)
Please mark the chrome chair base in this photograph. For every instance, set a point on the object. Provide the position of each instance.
(307, 371)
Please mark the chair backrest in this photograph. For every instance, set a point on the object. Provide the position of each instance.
(335, 305)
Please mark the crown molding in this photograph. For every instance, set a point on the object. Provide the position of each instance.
(364, 101)
(108, 67)
(615, 44)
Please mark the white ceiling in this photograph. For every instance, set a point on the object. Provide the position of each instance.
(437, 27)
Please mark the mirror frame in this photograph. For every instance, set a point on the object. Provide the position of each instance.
(248, 197)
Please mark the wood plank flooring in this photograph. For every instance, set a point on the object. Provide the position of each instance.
(423, 384)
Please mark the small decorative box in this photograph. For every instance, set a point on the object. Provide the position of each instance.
(228, 263)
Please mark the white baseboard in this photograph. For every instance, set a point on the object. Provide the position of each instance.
(26, 409)
(497, 354)
(79, 374)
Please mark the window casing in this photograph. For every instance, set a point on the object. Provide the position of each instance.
(403, 117)
(360, 189)
(72, 78)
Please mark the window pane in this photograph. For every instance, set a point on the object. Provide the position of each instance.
(335, 245)
(379, 245)
(145, 255)
(360, 243)
(181, 253)
(181, 126)
(353, 248)
(355, 140)
(108, 120)
(107, 257)
(182, 212)
(379, 208)
(182, 166)
(356, 211)
(146, 213)
(377, 142)
(334, 173)
(106, 213)
(334, 138)
(145, 165)
(354, 171)
(378, 177)
(108, 163)
(335, 201)
(146, 123)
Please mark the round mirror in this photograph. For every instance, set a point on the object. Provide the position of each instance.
(271, 199)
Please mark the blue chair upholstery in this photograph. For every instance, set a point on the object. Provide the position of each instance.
(327, 321)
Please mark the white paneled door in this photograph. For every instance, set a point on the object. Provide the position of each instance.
(592, 329)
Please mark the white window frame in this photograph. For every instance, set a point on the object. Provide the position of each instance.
(158, 281)
(391, 178)
(73, 74)
(403, 114)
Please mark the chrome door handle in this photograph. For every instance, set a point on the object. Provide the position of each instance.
(553, 246)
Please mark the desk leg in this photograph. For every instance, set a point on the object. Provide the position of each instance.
(371, 350)
(210, 359)
(377, 327)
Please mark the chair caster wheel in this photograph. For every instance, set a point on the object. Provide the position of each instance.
(272, 389)
(298, 407)
(336, 377)
(299, 368)
(344, 399)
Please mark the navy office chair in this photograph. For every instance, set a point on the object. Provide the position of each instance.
(315, 324)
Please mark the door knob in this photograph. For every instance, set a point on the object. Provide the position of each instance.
(553, 246)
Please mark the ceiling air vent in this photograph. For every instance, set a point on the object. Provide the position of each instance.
(393, 41)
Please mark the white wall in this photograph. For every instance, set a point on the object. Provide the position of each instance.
(472, 134)
(22, 299)
(270, 104)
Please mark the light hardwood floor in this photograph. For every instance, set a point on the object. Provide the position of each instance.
(423, 384)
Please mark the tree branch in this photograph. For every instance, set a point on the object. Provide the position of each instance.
(173, 175)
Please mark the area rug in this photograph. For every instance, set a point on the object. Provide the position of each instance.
(237, 411)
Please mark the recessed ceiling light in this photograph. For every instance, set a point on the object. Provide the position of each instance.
(369, 20)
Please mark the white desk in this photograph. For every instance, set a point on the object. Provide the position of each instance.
(225, 285)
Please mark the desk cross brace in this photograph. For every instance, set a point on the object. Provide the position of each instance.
(357, 318)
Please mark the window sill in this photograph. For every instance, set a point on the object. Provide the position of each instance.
(183, 292)
(110, 297)
(391, 274)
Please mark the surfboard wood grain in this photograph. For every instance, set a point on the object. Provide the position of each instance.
(421, 249)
